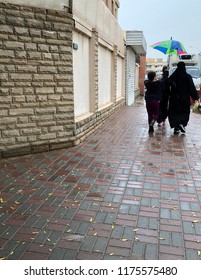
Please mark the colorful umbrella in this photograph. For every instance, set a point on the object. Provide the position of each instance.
(169, 47)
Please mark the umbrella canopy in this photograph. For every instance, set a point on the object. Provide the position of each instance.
(169, 47)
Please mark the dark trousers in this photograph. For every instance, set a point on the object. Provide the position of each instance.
(163, 109)
(152, 110)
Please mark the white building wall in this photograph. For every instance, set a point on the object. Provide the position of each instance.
(90, 16)
(96, 14)
(81, 74)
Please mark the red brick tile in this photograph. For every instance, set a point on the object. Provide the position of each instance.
(55, 226)
(34, 256)
(146, 239)
(171, 222)
(42, 249)
(108, 209)
(126, 217)
(2, 242)
(46, 208)
(170, 204)
(178, 251)
(87, 213)
(129, 201)
(153, 209)
(163, 256)
(151, 194)
(23, 237)
(191, 218)
(123, 222)
(58, 221)
(167, 188)
(171, 228)
(16, 219)
(28, 230)
(110, 204)
(152, 180)
(148, 214)
(192, 238)
(74, 245)
(135, 185)
(36, 199)
(114, 190)
(192, 245)
(188, 197)
(46, 214)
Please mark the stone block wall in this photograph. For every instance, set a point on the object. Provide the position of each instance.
(36, 80)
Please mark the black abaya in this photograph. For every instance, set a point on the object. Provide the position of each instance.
(181, 89)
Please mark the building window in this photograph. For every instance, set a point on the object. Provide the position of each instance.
(113, 6)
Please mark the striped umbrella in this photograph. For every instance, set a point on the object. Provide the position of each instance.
(169, 47)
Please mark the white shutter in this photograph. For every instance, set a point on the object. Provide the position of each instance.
(130, 77)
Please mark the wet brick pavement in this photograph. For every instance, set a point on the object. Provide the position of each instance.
(121, 194)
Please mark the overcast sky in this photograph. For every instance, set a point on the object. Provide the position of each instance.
(160, 20)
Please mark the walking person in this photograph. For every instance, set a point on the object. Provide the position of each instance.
(164, 98)
(181, 89)
(152, 98)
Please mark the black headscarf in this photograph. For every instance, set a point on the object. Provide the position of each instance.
(179, 78)
(180, 72)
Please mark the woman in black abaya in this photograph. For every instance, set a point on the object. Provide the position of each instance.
(181, 89)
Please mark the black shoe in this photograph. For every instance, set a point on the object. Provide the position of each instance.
(151, 129)
(182, 128)
(176, 130)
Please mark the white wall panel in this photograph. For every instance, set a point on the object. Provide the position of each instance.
(104, 76)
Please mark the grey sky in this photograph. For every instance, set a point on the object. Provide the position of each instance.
(160, 20)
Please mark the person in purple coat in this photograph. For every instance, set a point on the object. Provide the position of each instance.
(153, 96)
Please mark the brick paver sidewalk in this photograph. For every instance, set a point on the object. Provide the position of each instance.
(121, 194)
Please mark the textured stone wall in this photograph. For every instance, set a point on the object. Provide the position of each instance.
(36, 80)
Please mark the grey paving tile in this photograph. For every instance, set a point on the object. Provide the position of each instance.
(152, 185)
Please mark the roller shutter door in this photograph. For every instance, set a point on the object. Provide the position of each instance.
(130, 77)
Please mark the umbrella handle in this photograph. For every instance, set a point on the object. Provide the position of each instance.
(168, 61)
